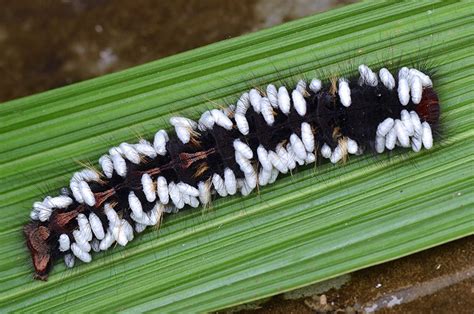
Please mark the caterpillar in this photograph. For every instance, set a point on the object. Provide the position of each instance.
(235, 149)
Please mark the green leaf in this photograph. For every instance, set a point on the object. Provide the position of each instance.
(307, 227)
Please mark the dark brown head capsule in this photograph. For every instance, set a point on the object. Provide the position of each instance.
(37, 237)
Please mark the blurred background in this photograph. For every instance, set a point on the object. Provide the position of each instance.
(51, 43)
(47, 44)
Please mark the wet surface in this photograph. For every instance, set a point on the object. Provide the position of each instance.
(439, 280)
(54, 43)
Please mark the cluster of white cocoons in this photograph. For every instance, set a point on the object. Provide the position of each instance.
(261, 168)
(410, 82)
(408, 130)
(404, 132)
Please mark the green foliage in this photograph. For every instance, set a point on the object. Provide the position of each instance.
(313, 225)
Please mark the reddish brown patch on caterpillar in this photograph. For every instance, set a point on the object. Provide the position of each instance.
(36, 238)
(187, 159)
(61, 222)
(428, 109)
(101, 197)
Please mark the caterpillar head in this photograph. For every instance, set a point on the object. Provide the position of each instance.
(37, 237)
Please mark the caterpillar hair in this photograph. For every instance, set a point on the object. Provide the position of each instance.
(266, 133)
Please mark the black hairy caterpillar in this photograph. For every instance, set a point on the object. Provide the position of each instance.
(228, 150)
